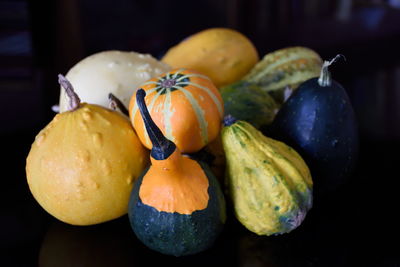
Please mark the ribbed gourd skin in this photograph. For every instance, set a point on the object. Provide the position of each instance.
(269, 183)
(185, 105)
(285, 67)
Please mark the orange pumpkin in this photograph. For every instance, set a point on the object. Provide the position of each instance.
(185, 105)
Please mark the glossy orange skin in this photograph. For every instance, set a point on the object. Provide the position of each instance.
(188, 109)
(176, 184)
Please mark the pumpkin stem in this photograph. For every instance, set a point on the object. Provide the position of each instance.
(74, 99)
(325, 77)
(229, 120)
(115, 104)
(162, 147)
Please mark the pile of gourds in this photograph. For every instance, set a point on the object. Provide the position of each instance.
(130, 129)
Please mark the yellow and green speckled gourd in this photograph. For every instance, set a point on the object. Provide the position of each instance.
(269, 183)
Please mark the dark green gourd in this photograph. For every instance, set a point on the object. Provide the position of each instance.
(176, 205)
(247, 101)
(319, 122)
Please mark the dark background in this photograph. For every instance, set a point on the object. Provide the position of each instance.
(353, 226)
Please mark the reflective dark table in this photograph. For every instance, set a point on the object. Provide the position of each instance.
(354, 225)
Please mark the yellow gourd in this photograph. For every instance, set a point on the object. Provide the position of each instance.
(82, 165)
(224, 55)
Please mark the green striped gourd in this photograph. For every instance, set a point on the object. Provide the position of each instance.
(287, 67)
(247, 101)
(269, 183)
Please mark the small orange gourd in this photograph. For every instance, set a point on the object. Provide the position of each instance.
(185, 105)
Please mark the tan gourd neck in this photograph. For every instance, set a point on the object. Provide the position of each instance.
(325, 79)
(74, 100)
(172, 163)
(116, 104)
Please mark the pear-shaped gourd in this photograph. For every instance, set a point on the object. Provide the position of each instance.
(269, 183)
(82, 165)
(176, 206)
(318, 121)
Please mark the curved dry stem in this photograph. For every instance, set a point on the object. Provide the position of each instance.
(115, 104)
(74, 99)
(325, 76)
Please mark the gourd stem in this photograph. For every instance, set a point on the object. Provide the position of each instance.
(229, 120)
(162, 147)
(115, 103)
(325, 76)
(74, 99)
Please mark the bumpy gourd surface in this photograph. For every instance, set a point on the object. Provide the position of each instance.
(82, 165)
(116, 72)
(270, 184)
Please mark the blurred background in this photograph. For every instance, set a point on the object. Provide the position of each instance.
(39, 39)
